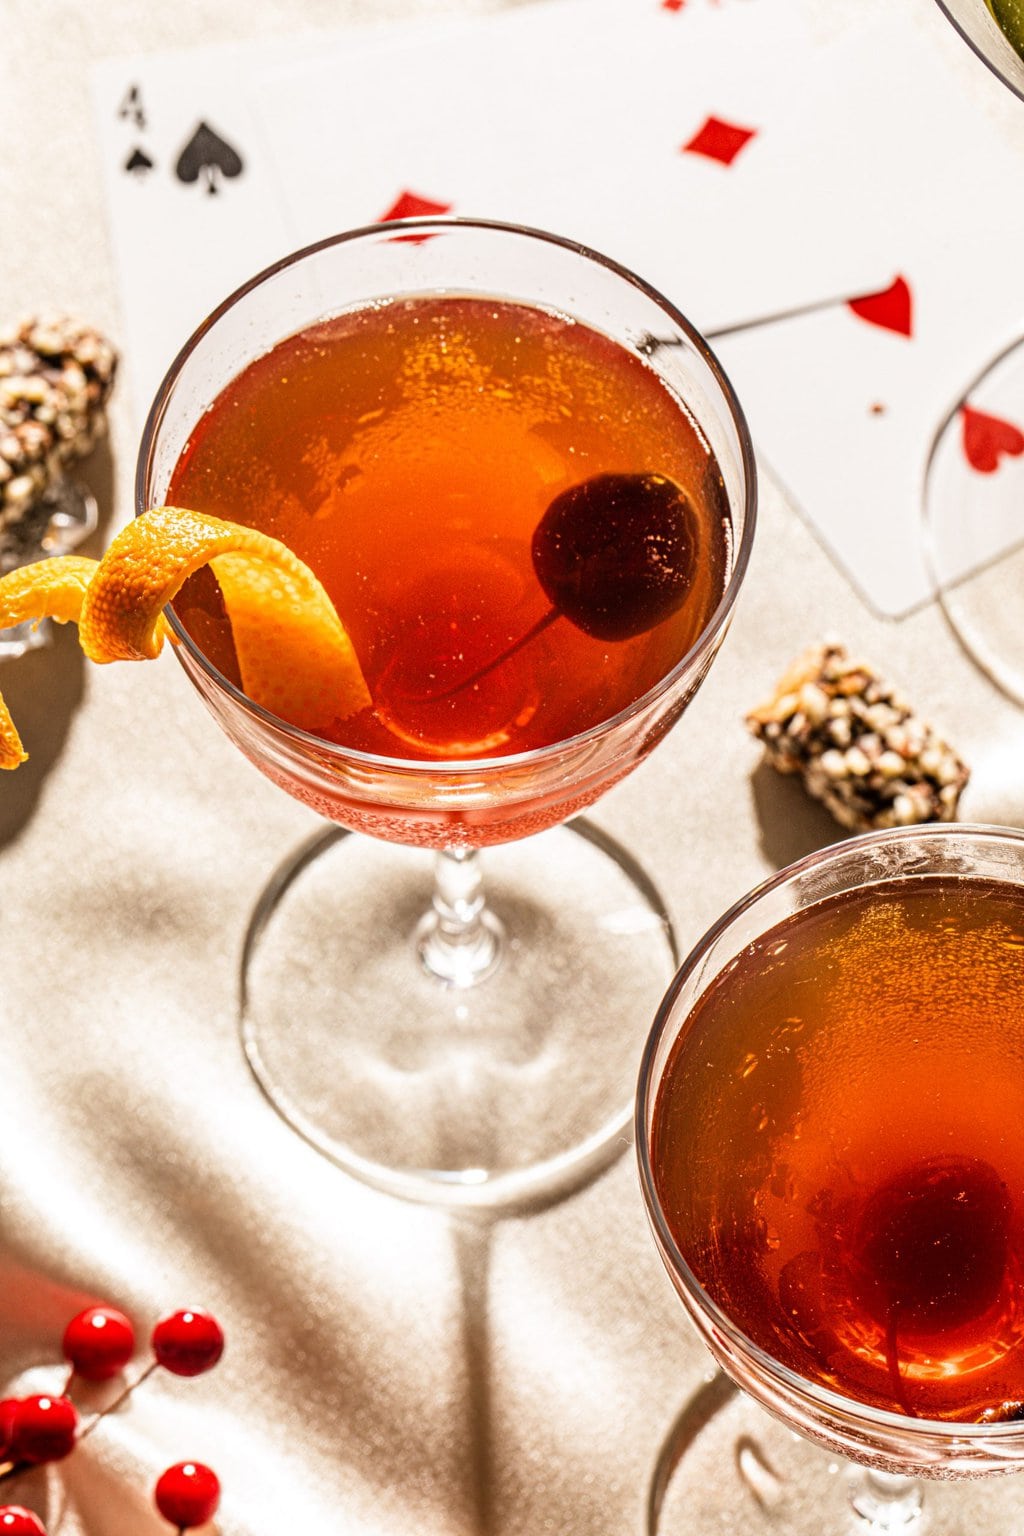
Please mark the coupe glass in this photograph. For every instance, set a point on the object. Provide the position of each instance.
(809, 1117)
(972, 500)
(438, 1045)
(974, 490)
(979, 28)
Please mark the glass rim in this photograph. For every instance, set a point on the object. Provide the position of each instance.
(980, 52)
(452, 767)
(795, 1385)
(981, 376)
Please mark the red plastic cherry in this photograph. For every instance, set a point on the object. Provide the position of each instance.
(189, 1342)
(187, 1494)
(15, 1520)
(8, 1411)
(99, 1342)
(45, 1429)
(616, 554)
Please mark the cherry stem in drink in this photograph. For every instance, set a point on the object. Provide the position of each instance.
(497, 661)
(892, 1359)
(614, 555)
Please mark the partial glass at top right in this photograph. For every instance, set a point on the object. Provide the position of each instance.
(995, 30)
(829, 1133)
(974, 486)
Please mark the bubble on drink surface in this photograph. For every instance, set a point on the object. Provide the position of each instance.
(616, 554)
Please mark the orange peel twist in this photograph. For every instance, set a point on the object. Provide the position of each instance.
(295, 657)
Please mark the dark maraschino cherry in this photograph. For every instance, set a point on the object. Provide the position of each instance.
(932, 1246)
(615, 555)
(187, 1494)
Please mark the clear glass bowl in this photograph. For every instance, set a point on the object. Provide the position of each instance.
(441, 804)
(484, 1053)
(974, 485)
(980, 30)
(897, 1449)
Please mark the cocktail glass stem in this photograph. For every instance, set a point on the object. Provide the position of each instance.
(885, 1501)
(459, 940)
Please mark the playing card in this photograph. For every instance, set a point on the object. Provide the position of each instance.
(847, 166)
(193, 209)
(656, 136)
(554, 115)
(845, 401)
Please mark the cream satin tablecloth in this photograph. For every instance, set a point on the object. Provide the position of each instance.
(387, 1370)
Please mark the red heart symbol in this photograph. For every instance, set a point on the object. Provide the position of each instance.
(890, 307)
(985, 437)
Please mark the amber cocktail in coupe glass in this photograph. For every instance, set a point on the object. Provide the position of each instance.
(829, 1124)
(529, 491)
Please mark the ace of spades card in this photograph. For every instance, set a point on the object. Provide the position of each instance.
(194, 211)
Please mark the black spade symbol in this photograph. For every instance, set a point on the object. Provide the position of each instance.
(207, 157)
(138, 162)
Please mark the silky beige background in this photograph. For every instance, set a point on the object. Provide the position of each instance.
(388, 1370)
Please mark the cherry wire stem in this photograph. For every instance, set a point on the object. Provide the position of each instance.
(496, 661)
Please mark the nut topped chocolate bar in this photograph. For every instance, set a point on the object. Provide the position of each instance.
(55, 378)
(857, 745)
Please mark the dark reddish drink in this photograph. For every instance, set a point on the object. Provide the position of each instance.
(408, 452)
(838, 1145)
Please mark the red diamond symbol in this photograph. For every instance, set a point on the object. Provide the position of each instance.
(719, 140)
(409, 205)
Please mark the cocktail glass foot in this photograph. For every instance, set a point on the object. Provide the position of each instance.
(457, 1027)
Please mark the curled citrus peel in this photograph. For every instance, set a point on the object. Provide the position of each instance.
(295, 658)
